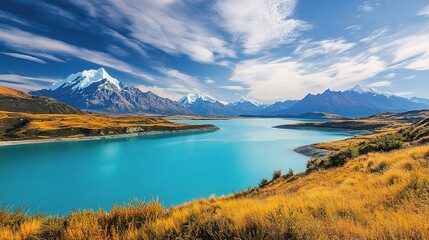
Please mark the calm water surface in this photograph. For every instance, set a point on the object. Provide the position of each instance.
(60, 177)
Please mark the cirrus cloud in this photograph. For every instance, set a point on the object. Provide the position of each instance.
(258, 25)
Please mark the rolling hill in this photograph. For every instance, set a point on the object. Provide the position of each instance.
(13, 100)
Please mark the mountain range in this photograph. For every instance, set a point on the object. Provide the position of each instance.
(355, 102)
(96, 90)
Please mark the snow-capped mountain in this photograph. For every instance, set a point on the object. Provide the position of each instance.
(360, 101)
(84, 79)
(276, 108)
(246, 99)
(191, 98)
(204, 104)
(365, 89)
(420, 100)
(246, 106)
(96, 90)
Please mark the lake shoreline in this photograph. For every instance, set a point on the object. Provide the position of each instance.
(348, 130)
(311, 151)
(106, 137)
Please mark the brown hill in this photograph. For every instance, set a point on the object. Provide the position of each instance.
(5, 91)
(13, 100)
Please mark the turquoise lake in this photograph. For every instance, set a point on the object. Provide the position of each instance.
(57, 178)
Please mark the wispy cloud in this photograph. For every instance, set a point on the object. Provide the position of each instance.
(167, 92)
(5, 16)
(411, 52)
(424, 11)
(271, 80)
(328, 46)
(353, 27)
(210, 81)
(167, 25)
(337, 67)
(127, 41)
(367, 6)
(23, 56)
(390, 75)
(403, 94)
(177, 82)
(407, 49)
(233, 87)
(380, 84)
(375, 35)
(26, 83)
(19, 40)
(259, 25)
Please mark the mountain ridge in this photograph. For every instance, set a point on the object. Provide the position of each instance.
(96, 90)
(352, 103)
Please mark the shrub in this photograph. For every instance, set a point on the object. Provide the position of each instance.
(377, 167)
(263, 182)
(340, 157)
(289, 173)
(381, 144)
(277, 174)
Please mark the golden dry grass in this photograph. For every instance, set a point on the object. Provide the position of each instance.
(95, 121)
(18, 126)
(375, 196)
(10, 92)
(337, 145)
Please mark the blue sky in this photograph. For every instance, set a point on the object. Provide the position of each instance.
(269, 50)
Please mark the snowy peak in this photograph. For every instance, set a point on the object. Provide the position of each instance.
(96, 90)
(85, 78)
(246, 99)
(365, 89)
(420, 100)
(192, 97)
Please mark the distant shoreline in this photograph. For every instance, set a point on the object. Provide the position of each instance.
(188, 117)
(321, 128)
(105, 137)
(314, 152)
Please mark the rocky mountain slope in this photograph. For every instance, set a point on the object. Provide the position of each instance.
(96, 90)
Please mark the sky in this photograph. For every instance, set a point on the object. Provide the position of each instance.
(271, 50)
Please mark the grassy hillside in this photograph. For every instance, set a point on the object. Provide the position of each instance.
(380, 194)
(24, 126)
(383, 141)
(10, 92)
(18, 101)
